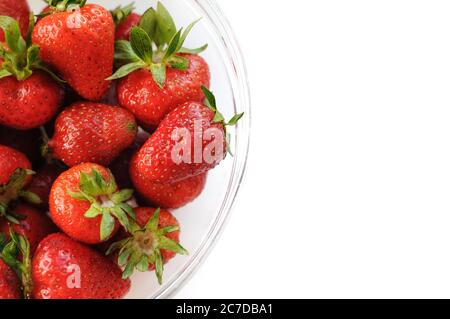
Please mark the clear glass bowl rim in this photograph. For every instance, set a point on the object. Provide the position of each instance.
(242, 99)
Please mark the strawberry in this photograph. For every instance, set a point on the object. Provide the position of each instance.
(125, 19)
(28, 96)
(191, 140)
(65, 269)
(9, 283)
(14, 176)
(18, 10)
(91, 132)
(173, 195)
(79, 44)
(153, 82)
(87, 205)
(33, 224)
(42, 182)
(153, 242)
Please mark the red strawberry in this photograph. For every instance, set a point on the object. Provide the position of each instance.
(190, 141)
(79, 44)
(9, 283)
(173, 195)
(28, 97)
(65, 269)
(153, 242)
(18, 10)
(139, 93)
(35, 225)
(42, 182)
(125, 19)
(20, 140)
(154, 83)
(91, 132)
(87, 205)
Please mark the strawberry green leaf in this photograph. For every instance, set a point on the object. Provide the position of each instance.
(16, 254)
(167, 230)
(159, 266)
(210, 99)
(193, 51)
(166, 27)
(159, 73)
(107, 225)
(13, 38)
(5, 73)
(185, 34)
(122, 196)
(148, 22)
(124, 53)
(179, 63)
(152, 223)
(173, 45)
(235, 119)
(141, 44)
(168, 244)
(127, 69)
(120, 14)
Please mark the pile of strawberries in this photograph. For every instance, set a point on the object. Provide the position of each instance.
(134, 131)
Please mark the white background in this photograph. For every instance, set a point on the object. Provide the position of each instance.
(347, 192)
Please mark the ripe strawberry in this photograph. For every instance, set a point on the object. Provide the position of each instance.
(65, 269)
(9, 283)
(91, 132)
(14, 176)
(153, 242)
(79, 44)
(173, 195)
(190, 141)
(33, 224)
(18, 10)
(28, 97)
(87, 205)
(42, 182)
(125, 19)
(153, 83)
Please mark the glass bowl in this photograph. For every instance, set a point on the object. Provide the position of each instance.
(203, 220)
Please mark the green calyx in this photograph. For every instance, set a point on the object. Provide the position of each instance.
(16, 254)
(12, 191)
(106, 201)
(154, 45)
(20, 57)
(210, 102)
(143, 248)
(65, 5)
(120, 14)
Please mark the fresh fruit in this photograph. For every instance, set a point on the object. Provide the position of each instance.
(65, 269)
(15, 253)
(153, 82)
(87, 205)
(153, 242)
(18, 10)
(139, 93)
(173, 195)
(33, 224)
(28, 97)
(190, 141)
(42, 181)
(15, 174)
(92, 132)
(9, 283)
(125, 19)
(79, 44)
(26, 142)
